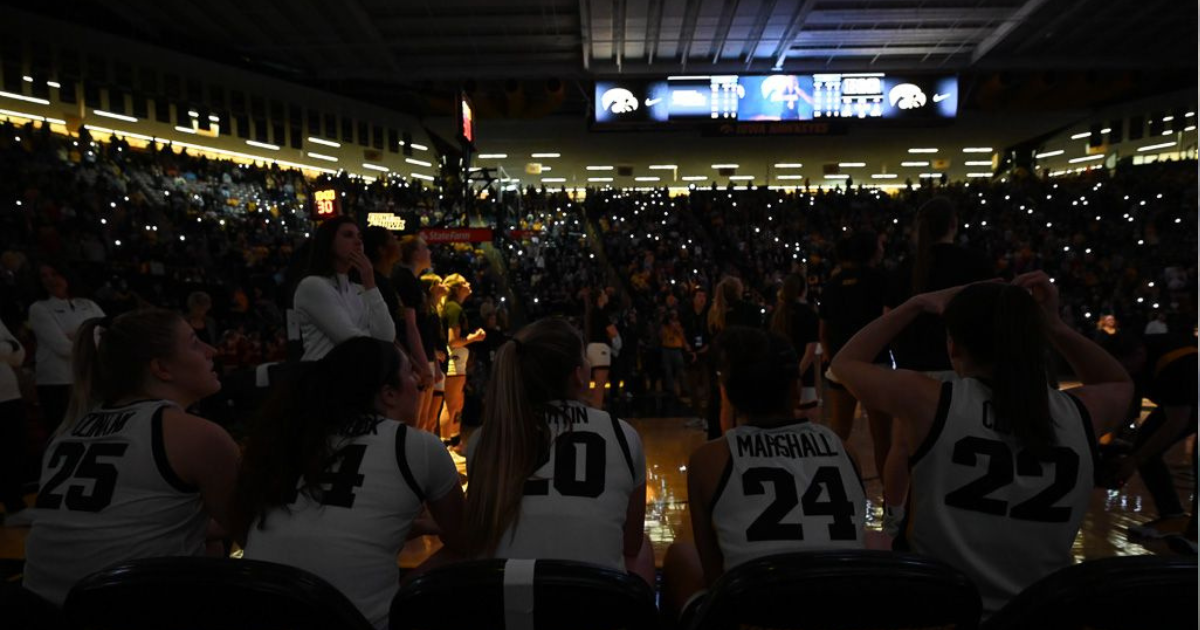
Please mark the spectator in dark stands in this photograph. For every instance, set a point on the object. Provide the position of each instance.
(600, 335)
(456, 325)
(383, 249)
(697, 371)
(199, 304)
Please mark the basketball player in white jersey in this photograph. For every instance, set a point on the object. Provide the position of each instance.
(334, 475)
(129, 474)
(550, 477)
(1002, 463)
(773, 484)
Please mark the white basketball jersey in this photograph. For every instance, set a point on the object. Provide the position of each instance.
(107, 495)
(575, 504)
(987, 506)
(352, 533)
(788, 488)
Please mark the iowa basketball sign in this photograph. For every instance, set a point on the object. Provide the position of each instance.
(325, 204)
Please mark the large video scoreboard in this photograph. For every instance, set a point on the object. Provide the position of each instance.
(775, 98)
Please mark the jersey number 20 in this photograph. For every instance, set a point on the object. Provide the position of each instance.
(568, 448)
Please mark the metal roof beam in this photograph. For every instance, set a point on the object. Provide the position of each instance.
(797, 22)
(1006, 27)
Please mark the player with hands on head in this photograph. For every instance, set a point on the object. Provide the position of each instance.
(1002, 463)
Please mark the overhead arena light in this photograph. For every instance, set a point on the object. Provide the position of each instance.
(837, 176)
(1081, 136)
(54, 84)
(719, 166)
(600, 179)
(884, 176)
(1085, 159)
(789, 177)
(645, 179)
(741, 178)
(977, 149)
(599, 168)
(979, 174)
(923, 150)
(914, 164)
(545, 155)
(419, 147)
(492, 156)
(695, 178)
(421, 176)
(1048, 154)
(663, 167)
(789, 165)
(376, 167)
(322, 156)
(418, 162)
(851, 164)
(977, 163)
(553, 180)
(328, 143)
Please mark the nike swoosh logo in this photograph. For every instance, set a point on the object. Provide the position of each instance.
(652, 102)
(938, 98)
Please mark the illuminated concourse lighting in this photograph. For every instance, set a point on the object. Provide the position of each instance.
(977, 163)
(851, 164)
(695, 178)
(923, 150)
(1081, 136)
(914, 164)
(322, 156)
(884, 176)
(979, 174)
(100, 112)
(553, 180)
(376, 167)
(645, 179)
(328, 143)
(545, 155)
(663, 167)
(789, 165)
(1085, 159)
(419, 147)
(741, 178)
(418, 162)
(492, 156)
(598, 168)
(600, 179)
(1152, 147)
(1049, 154)
(22, 97)
(421, 176)
(263, 145)
(977, 149)
(789, 177)
(719, 166)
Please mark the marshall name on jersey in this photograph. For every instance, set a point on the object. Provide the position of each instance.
(788, 488)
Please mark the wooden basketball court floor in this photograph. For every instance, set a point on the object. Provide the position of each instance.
(669, 442)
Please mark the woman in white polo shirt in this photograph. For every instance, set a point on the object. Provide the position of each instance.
(330, 306)
(54, 319)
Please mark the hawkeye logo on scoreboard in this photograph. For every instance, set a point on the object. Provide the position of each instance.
(388, 221)
(325, 204)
